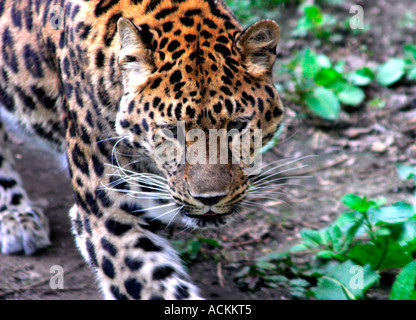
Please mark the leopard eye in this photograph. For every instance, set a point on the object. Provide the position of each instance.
(130, 58)
(239, 125)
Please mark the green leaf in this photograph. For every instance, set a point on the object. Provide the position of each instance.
(391, 71)
(383, 253)
(361, 77)
(312, 238)
(396, 213)
(351, 95)
(327, 76)
(404, 286)
(406, 172)
(357, 203)
(324, 61)
(309, 63)
(323, 103)
(313, 13)
(410, 52)
(411, 74)
(346, 281)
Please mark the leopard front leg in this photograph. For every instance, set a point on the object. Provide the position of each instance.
(22, 226)
(130, 262)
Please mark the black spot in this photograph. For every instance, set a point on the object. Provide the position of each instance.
(223, 50)
(190, 111)
(108, 268)
(209, 23)
(87, 225)
(187, 22)
(117, 228)
(222, 39)
(270, 91)
(179, 86)
(83, 30)
(42, 96)
(175, 77)
(277, 112)
(124, 123)
(218, 107)
(109, 247)
(178, 111)
(182, 292)
(131, 106)
(162, 272)
(190, 37)
(173, 45)
(16, 16)
(99, 59)
(98, 166)
(137, 130)
(147, 245)
(117, 294)
(111, 29)
(163, 43)
(225, 90)
(91, 252)
(156, 83)
(229, 106)
(206, 34)
(260, 104)
(165, 12)
(103, 6)
(28, 18)
(268, 116)
(133, 264)
(32, 62)
(16, 199)
(78, 158)
(167, 26)
(178, 54)
(92, 203)
(133, 288)
(152, 5)
(145, 125)
(104, 199)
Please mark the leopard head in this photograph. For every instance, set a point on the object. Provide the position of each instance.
(188, 99)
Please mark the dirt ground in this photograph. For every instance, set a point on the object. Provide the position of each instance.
(355, 154)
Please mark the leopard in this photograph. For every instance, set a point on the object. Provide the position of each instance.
(105, 84)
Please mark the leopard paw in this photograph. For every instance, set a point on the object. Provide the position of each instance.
(23, 230)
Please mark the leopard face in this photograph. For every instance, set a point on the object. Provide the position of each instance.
(202, 80)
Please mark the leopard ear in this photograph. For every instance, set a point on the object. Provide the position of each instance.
(257, 45)
(135, 58)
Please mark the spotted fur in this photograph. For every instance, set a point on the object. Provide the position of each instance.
(97, 83)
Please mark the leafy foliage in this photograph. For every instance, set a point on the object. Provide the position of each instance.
(321, 86)
(395, 69)
(346, 257)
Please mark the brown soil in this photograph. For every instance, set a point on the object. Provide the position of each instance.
(356, 154)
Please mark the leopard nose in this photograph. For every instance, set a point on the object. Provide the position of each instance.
(209, 200)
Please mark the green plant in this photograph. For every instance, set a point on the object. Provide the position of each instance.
(192, 249)
(321, 86)
(313, 21)
(323, 26)
(345, 259)
(395, 69)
